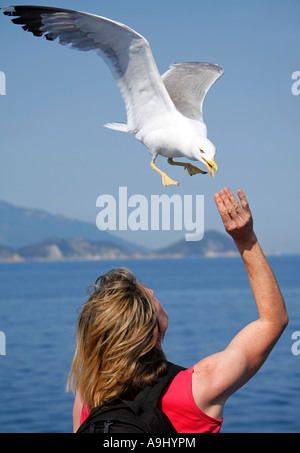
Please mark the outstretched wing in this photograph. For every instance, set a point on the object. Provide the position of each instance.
(127, 53)
(187, 85)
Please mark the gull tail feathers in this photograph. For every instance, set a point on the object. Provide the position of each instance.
(122, 127)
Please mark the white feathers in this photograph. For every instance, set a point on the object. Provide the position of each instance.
(187, 85)
(164, 113)
(122, 127)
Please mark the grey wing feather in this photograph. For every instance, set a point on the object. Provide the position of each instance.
(187, 85)
(127, 53)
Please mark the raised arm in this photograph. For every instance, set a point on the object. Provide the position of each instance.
(220, 375)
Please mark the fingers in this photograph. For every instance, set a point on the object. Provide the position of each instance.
(228, 204)
(225, 208)
(232, 205)
(236, 217)
(222, 209)
(243, 199)
(220, 205)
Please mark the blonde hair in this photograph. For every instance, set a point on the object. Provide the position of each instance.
(117, 332)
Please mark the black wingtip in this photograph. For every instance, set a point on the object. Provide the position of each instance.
(29, 10)
(7, 13)
(30, 17)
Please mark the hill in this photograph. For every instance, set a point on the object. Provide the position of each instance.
(32, 234)
(20, 227)
(212, 244)
(72, 249)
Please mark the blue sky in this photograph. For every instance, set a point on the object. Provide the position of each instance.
(55, 154)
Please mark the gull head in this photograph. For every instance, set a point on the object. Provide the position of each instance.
(204, 151)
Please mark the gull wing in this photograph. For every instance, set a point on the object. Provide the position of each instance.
(187, 85)
(127, 53)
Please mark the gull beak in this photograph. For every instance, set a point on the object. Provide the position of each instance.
(210, 165)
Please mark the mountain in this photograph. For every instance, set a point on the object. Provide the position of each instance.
(20, 227)
(9, 255)
(73, 249)
(32, 234)
(55, 249)
(212, 244)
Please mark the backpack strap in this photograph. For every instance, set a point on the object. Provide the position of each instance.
(152, 393)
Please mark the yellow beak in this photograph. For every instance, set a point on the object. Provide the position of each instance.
(210, 165)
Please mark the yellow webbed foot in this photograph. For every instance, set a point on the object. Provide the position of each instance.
(187, 166)
(165, 178)
(193, 170)
(168, 181)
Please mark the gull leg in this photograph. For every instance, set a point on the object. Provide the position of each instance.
(165, 178)
(189, 167)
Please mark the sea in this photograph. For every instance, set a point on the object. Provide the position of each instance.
(208, 301)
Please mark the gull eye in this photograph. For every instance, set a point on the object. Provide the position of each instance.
(201, 151)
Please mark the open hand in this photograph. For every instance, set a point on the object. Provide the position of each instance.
(236, 216)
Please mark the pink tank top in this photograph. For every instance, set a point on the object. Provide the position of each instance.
(178, 404)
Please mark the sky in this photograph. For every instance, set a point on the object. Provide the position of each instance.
(56, 155)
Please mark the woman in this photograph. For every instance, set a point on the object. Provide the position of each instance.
(121, 326)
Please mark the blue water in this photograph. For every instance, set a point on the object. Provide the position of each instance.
(208, 302)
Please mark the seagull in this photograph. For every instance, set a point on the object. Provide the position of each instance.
(163, 112)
